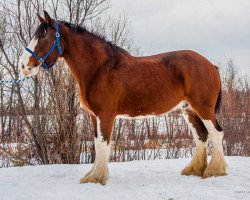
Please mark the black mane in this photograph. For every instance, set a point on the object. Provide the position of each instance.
(40, 29)
(74, 28)
(79, 29)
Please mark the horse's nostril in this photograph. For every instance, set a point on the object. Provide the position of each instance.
(22, 66)
(29, 68)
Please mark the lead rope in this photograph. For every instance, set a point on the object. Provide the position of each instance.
(15, 81)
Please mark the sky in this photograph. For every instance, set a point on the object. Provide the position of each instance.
(217, 29)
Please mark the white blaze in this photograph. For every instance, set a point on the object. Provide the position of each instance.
(24, 58)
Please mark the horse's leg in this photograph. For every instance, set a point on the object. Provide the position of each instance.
(99, 172)
(199, 161)
(217, 165)
(94, 124)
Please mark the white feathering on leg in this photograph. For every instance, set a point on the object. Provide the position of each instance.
(99, 172)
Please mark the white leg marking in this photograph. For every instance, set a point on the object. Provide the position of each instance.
(199, 161)
(99, 171)
(102, 148)
(190, 126)
(214, 136)
(217, 165)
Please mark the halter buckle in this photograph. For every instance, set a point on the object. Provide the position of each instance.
(41, 60)
(57, 34)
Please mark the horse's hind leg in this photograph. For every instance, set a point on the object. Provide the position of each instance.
(199, 161)
(217, 165)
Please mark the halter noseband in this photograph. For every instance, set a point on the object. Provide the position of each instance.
(56, 44)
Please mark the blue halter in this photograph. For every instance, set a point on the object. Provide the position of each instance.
(56, 44)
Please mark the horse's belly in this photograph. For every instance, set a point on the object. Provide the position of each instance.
(148, 114)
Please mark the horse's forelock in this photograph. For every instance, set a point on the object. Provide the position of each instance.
(41, 29)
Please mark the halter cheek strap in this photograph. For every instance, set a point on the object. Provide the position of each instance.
(56, 44)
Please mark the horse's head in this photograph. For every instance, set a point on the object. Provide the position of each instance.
(41, 43)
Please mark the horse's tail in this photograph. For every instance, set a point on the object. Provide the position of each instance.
(218, 103)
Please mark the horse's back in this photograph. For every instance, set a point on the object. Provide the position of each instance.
(185, 66)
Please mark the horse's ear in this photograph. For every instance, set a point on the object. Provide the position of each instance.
(42, 20)
(47, 17)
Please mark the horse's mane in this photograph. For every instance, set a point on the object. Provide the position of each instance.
(79, 29)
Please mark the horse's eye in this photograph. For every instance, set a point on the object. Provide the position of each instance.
(43, 36)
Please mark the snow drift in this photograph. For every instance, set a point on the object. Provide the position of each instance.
(152, 180)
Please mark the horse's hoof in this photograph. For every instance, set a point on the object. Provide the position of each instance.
(215, 169)
(196, 167)
(91, 179)
(189, 170)
(95, 177)
(210, 171)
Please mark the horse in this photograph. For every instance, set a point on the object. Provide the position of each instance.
(113, 83)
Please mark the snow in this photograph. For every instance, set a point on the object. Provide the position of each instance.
(147, 180)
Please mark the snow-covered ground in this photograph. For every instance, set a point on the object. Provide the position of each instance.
(140, 180)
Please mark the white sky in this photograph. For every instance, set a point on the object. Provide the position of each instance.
(217, 29)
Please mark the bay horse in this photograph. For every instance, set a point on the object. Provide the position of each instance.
(112, 83)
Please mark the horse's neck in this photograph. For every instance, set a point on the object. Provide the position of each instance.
(83, 59)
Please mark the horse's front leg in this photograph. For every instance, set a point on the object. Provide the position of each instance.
(99, 171)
